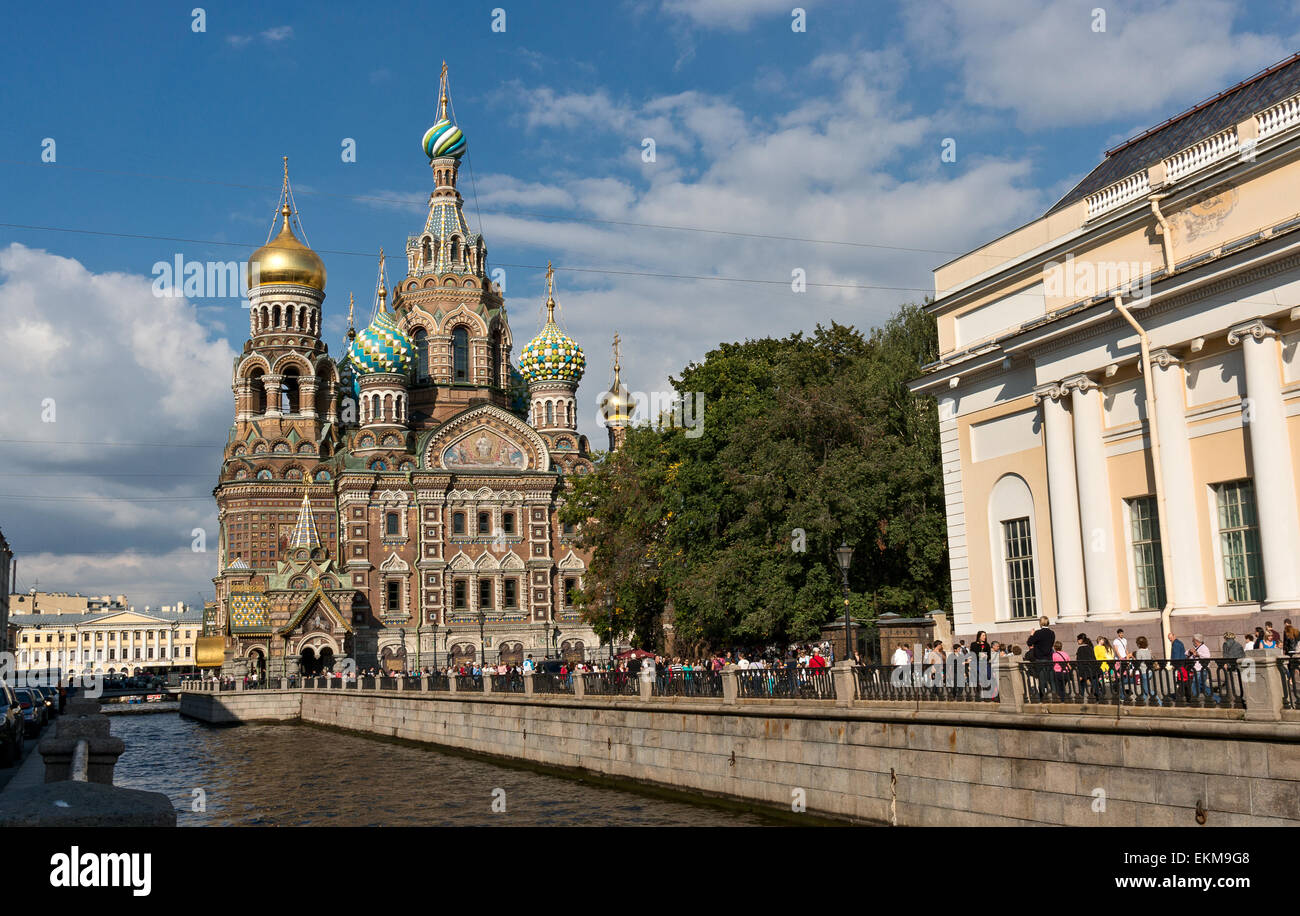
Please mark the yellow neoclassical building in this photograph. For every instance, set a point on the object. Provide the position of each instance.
(83, 635)
(1119, 384)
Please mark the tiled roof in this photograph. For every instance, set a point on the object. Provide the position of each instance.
(1204, 120)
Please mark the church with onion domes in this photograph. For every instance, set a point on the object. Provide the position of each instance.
(397, 506)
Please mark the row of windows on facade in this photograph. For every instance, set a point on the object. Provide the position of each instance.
(393, 524)
(1238, 530)
(510, 589)
(26, 656)
(100, 635)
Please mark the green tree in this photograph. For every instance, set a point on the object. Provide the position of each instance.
(806, 441)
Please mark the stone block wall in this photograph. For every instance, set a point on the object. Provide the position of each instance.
(928, 767)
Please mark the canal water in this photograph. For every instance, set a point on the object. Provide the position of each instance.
(301, 776)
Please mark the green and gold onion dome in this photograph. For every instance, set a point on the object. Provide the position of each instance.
(284, 259)
(552, 356)
(444, 140)
(381, 347)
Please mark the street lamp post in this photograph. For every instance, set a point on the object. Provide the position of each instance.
(434, 626)
(401, 632)
(482, 646)
(610, 601)
(844, 553)
(419, 636)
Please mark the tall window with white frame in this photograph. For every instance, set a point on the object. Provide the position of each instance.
(1148, 567)
(1243, 576)
(1019, 557)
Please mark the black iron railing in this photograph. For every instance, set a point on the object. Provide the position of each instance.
(439, 681)
(1289, 670)
(387, 683)
(469, 683)
(785, 683)
(512, 682)
(1189, 682)
(410, 683)
(550, 682)
(612, 684)
(962, 681)
(671, 683)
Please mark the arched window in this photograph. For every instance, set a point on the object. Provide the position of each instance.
(460, 354)
(428, 254)
(289, 391)
(455, 250)
(275, 315)
(550, 413)
(420, 339)
(494, 355)
(1014, 538)
(258, 391)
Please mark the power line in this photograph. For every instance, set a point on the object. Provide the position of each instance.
(517, 213)
(366, 254)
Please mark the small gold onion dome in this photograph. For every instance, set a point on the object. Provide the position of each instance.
(286, 260)
(618, 405)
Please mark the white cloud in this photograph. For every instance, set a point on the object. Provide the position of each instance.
(1044, 62)
(127, 375)
(733, 15)
(272, 35)
(856, 165)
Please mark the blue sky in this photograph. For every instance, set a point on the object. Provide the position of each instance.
(832, 134)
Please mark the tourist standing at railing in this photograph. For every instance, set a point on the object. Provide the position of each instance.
(1176, 648)
(1200, 650)
(1232, 648)
(1145, 664)
(1060, 666)
(1290, 638)
(1085, 663)
(1120, 645)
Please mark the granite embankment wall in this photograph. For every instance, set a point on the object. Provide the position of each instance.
(906, 765)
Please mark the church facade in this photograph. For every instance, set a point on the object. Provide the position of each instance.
(397, 506)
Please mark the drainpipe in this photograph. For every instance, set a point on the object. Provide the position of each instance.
(1154, 434)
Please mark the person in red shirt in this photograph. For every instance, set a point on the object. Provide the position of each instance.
(817, 661)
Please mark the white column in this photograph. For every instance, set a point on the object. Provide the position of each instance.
(1063, 497)
(1270, 453)
(131, 650)
(1097, 522)
(1186, 591)
(171, 647)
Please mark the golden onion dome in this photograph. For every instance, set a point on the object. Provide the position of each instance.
(618, 405)
(284, 259)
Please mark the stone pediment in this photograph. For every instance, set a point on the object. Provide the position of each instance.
(486, 439)
(572, 562)
(131, 618)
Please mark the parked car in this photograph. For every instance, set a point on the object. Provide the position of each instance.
(33, 708)
(50, 697)
(13, 726)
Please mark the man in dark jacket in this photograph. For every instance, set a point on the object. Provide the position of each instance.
(1040, 642)
(1232, 648)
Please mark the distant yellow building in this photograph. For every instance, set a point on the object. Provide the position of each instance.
(1165, 287)
(99, 635)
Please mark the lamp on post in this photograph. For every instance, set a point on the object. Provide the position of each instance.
(610, 601)
(433, 624)
(844, 553)
(419, 636)
(401, 634)
(482, 646)
(555, 636)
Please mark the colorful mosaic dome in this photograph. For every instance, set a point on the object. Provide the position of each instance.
(444, 139)
(552, 355)
(381, 347)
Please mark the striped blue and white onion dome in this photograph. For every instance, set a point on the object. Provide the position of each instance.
(444, 139)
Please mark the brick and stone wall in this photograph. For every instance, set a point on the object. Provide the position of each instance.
(950, 767)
